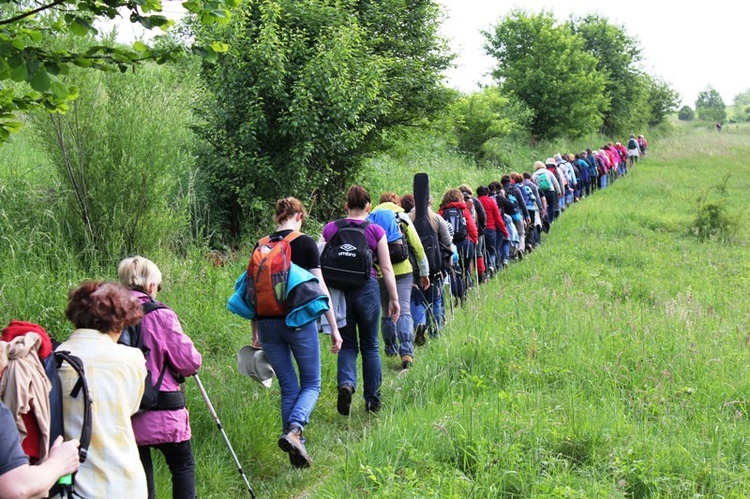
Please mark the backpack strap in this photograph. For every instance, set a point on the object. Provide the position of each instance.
(81, 385)
(149, 307)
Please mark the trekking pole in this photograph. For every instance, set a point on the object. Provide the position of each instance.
(223, 434)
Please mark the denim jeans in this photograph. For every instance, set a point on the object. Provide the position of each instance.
(398, 337)
(427, 306)
(179, 458)
(361, 334)
(282, 346)
(603, 181)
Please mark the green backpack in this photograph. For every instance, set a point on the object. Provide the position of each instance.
(543, 182)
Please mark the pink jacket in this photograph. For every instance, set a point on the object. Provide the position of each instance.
(163, 334)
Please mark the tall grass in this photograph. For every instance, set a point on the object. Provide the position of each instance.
(610, 362)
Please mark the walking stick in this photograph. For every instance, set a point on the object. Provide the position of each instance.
(223, 434)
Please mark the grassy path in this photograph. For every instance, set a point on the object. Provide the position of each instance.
(612, 362)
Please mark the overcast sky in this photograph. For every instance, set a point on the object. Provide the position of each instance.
(689, 44)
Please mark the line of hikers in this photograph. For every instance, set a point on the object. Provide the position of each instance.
(382, 269)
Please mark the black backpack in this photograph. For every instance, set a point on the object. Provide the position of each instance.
(153, 398)
(346, 261)
(431, 243)
(632, 144)
(399, 249)
(455, 217)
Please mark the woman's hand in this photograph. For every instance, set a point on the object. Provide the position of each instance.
(394, 309)
(336, 340)
(425, 282)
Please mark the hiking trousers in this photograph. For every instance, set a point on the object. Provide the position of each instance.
(179, 457)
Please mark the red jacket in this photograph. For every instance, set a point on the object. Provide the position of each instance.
(471, 227)
(495, 219)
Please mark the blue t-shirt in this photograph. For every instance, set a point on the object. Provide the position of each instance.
(11, 453)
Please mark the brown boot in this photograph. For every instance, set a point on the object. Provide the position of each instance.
(406, 361)
(291, 442)
(419, 337)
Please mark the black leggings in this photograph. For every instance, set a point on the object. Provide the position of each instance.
(180, 460)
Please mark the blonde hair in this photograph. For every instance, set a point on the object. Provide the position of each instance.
(138, 273)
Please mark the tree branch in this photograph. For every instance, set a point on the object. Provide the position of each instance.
(31, 12)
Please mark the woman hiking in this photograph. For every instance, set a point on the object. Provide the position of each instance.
(284, 345)
(172, 356)
(362, 300)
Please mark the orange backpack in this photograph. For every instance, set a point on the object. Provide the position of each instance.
(267, 275)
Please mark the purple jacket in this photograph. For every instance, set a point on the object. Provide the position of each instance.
(163, 334)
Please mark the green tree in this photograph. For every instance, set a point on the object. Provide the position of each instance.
(546, 67)
(686, 113)
(31, 70)
(662, 100)
(617, 55)
(710, 106)
(742, 106)
(305, 93)
(485, 115)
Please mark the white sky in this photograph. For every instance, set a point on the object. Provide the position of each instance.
(689, 44)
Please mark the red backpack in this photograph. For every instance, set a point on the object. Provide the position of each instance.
(267, 275)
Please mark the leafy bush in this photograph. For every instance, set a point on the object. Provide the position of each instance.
(686, 113)
(120, 155)
(712, 220)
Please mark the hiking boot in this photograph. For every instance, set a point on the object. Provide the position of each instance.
(345, 400)
(291, 443)
(419, 337)
(372, 407)
(406, 361)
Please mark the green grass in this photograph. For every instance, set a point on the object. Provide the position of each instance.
(613, 361)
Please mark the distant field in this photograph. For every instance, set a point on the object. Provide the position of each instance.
(611, 362)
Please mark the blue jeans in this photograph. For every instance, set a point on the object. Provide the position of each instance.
(280, 343)
(361, 333)
(398, 337)
(603, 181)
(427, 306)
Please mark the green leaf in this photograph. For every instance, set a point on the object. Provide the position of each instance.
(18, 73)
(220, 47)
(41, 80)
(59, 89)
(13, 126)
(140, 46)
(80, 27)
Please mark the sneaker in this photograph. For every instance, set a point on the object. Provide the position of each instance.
(406, 361)
(291, 443)
(419, 337)
(345, 400)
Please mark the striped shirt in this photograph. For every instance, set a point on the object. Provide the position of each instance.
(115, 375)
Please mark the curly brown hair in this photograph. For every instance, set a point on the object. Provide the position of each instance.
(452, 196)
(105, 306)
